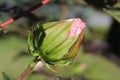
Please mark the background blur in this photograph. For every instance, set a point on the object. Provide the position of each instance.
(99, 56)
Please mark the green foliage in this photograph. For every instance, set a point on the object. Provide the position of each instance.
(5, 77)
(111, 7)
(114, 11)
(101, 3)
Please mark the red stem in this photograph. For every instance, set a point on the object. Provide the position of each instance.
(43, 2)
(24, 73)
(29, 68)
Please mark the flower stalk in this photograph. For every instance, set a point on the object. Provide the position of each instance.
(43, 2)
(29, 68)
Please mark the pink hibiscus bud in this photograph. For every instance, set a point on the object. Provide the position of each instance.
(77, 27)
(58, 42)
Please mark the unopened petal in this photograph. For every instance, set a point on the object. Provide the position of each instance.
(76, 28)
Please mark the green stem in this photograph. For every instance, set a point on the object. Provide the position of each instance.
(29, 68)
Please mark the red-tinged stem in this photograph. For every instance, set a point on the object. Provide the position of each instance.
(24, 73)
(29, 68)
(43, 2)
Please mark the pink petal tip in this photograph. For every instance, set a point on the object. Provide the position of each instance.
(77, 27)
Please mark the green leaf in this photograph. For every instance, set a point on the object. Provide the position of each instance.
(5, 77)
(114, 11)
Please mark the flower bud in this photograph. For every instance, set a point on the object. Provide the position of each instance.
(58, 42)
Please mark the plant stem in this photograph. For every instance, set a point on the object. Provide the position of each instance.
(64, 10)
(29, 68)
(43, 2)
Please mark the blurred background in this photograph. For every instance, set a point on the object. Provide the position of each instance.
(99, 55)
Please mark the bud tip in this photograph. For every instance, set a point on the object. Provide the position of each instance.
(77, 27)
